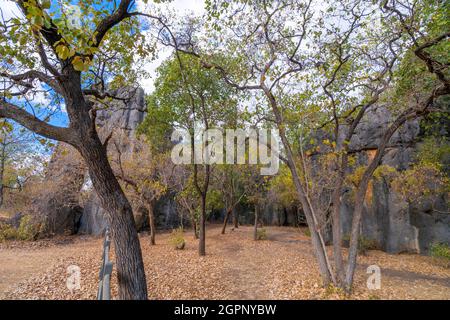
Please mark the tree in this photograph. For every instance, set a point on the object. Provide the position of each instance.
(187, 200)
(146, 177)
(16, 148)
(418, 42)
(189, 97)
(256, 187)
(79, 59)
(229, 182)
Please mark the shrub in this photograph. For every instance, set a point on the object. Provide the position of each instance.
(441, 254)
(366, 244)
(27, 229)
(176, 239)
(7, 232)
(307, 232)
(261, 234)
(334, 292)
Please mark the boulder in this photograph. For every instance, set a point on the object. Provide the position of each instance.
(57, 205)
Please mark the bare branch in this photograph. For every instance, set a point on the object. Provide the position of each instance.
(20, 79)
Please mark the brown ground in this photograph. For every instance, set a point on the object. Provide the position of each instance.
(235, 267)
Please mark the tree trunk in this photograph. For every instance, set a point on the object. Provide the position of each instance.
(151, 219)
(130, 268)
(1, 194)
(1, 189)
(316, 237)
(361, 193)
(255, 228)
(2, 173)
(202, 240)
(225, 221)
(354, 237)
(336, 222)
(194, 226)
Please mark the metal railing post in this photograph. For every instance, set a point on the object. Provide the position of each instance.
(104, 285)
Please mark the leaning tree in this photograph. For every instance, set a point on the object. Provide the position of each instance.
(190, 98)
(78, 54)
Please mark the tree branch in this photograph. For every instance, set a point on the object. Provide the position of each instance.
(20, 79)
(24, 118)
(110, 21)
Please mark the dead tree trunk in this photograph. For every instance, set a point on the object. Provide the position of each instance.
(2, 172)
(235, 219)
(152, 224)
(255, 227)
(202, 235)
(225, 221)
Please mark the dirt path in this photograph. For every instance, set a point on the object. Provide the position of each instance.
(251, 266)
(235, 267)
(20, 261)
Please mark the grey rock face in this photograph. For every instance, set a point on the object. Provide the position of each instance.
(166, 212)
(57, 206)
(392, 223)
(123, 117)
(121, 120)
(386, 220)
(372, 126)
(93, 221)
(127, 114)
(433, 223)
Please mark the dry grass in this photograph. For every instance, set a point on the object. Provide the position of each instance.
(236, 267)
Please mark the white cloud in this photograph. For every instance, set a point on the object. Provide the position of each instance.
(181, 7)
(178, 8)
(148, 83)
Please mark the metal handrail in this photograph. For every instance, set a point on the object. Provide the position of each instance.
(104, 285)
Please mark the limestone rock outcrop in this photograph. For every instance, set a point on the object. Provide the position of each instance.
(57, 205)
(120, 121)
(60, 207)
(390, 221)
